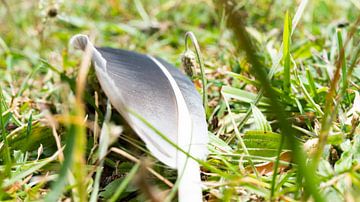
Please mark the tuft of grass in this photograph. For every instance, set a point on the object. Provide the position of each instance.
(273, 85)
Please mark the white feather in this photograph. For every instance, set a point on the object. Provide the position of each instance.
(188, 169)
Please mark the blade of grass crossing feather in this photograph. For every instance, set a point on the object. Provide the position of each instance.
(203, 163)
(192, 159)
(103, 147)
(260, 120)
(286, 50)
(125, 183)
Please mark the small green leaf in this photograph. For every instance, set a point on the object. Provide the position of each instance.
(110, 189)
(219, 143)
(325, 169)
(262, 143)
(335, 139)
(344, 163)
(243, 96)
(124, 184)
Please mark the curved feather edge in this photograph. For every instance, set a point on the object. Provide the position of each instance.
(82, 42)
(188, 169)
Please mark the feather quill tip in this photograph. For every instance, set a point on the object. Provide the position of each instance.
(79, 41)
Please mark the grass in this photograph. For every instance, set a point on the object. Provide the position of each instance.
(282, 93)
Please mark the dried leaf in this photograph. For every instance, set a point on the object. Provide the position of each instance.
(267, 168)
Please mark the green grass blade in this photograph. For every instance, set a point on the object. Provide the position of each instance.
(260, 120)
(242, 95)
(343, 65)
(104, 144)
(58, 185)
(33, 168)
(297, 17)
(238, 135)
(311, 82)
(237, 26)
(3, 129)
(307, 95)
(330, 107)
(286, 51)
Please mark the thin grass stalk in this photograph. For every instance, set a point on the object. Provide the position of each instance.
(287, 87)
(102, 151)
(79, 167)
(286, 51)
(7, 160)
(353, 63)
(343, 65)
(3, 129)
(311, 82)
(307, 95)
(76, 143)
(135, 160)
(58, 186)
(235, 23)
(34, 167)
(238, 135)
(202, 68)
(330, 107)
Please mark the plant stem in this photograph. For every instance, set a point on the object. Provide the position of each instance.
(201, 64)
